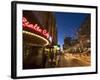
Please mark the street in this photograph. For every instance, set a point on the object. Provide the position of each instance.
(69, 60)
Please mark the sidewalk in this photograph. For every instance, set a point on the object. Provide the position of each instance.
(72, 61)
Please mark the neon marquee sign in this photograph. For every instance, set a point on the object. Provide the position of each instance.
(36, 27)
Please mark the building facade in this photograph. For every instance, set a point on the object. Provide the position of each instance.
(84, 33)
(39, 31)
(82, 41)
(67, 43)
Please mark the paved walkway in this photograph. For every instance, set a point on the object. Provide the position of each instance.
(73, 61)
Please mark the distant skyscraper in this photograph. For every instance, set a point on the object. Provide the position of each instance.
(67, 42)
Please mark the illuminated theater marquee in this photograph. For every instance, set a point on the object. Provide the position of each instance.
(35, 27)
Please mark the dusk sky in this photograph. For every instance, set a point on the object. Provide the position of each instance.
(67, 24)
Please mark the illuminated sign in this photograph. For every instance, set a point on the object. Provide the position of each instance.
(35, 27)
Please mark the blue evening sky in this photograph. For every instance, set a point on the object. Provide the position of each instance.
(67, 24)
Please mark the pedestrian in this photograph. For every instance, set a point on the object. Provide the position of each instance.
(51, 57)
(44, 59)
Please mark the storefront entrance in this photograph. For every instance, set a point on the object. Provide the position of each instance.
(32, 57)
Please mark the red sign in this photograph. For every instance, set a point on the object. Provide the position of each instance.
(35, 27)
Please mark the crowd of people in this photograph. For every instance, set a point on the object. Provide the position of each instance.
(51, 59)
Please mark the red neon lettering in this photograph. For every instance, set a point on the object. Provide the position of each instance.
(35, 27)
(45, 33)
(30, 25)
(24, 20)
